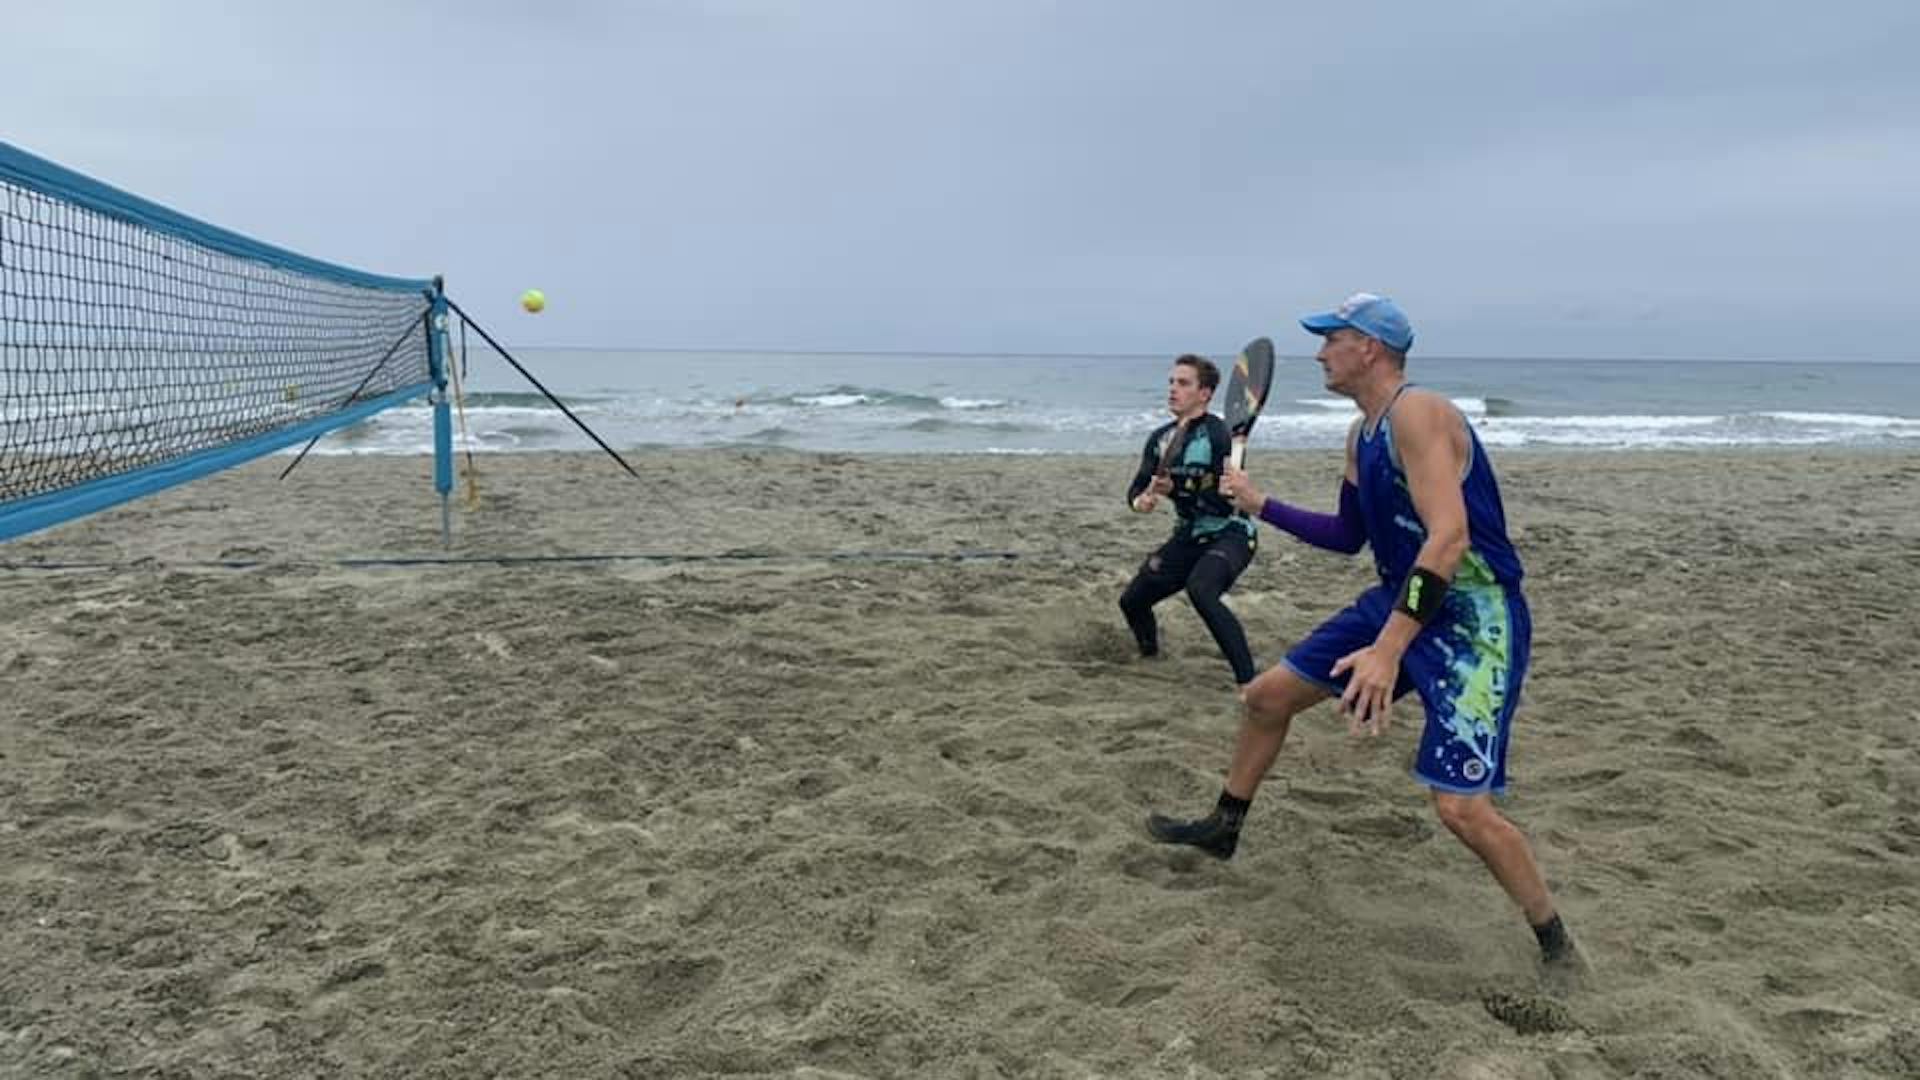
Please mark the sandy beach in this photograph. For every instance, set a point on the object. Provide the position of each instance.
(813, 765)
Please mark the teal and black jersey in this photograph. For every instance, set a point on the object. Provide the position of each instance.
(1195, 472)
(1394, 528)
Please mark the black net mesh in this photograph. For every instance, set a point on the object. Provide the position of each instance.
(122, 347)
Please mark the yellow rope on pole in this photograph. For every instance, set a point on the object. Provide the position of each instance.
(471, 498)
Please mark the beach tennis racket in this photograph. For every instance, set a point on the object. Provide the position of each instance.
(1247, 393)
(1170, 450)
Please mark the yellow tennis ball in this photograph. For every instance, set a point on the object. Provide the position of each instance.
(533, 300)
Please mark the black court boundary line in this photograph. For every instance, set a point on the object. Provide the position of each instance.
(401, 561)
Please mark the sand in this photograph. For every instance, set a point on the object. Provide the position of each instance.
(758, 810)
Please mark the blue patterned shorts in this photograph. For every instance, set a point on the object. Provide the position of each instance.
(1467, 665)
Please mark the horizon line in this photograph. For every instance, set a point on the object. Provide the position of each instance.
(1095, 355)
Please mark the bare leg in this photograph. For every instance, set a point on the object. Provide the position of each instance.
(1501, 846)
(1271, 702)
(1505, 850)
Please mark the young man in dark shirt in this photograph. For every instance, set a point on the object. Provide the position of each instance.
(1212, 542)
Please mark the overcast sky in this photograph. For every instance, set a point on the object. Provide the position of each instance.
(1536, 177)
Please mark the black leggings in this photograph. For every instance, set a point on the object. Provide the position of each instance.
(1206, 568)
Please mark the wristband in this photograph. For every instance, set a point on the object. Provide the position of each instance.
(1422, 595)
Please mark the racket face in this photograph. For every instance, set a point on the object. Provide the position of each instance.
(1247, 389)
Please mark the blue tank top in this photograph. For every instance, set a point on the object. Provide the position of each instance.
(1394, 529)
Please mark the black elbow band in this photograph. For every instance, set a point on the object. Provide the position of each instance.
(1422, 595)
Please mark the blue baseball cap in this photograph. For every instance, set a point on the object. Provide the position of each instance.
(1375, 316)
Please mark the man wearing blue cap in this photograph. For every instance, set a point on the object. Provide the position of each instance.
(1447, 620)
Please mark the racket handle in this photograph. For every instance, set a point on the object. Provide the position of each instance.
(1239, 452)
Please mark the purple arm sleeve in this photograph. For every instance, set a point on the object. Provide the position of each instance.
(1345, 532)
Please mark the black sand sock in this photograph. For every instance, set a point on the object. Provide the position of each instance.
(1217, 834)
(1553, 939)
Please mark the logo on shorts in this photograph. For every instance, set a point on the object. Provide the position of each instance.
(1474, 770)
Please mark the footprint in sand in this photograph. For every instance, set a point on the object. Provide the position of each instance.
(1016, 870)
(1178, 869)
(641, 994)
(1528, 1014)
(1798, 897)
(1406, 828)
(1590, 779)
(1142, 995)
(1706, 922)
(1331, 798)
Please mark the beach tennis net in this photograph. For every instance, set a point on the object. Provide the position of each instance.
(134, 338)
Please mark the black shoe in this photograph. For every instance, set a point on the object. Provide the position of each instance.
(1565, 968)
(1211, 834)
(1562, 964)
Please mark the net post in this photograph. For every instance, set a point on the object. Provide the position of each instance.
(442, 413)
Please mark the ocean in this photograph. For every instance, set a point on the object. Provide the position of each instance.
(930, 403)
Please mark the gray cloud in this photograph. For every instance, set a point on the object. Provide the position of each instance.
(1547, 178)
